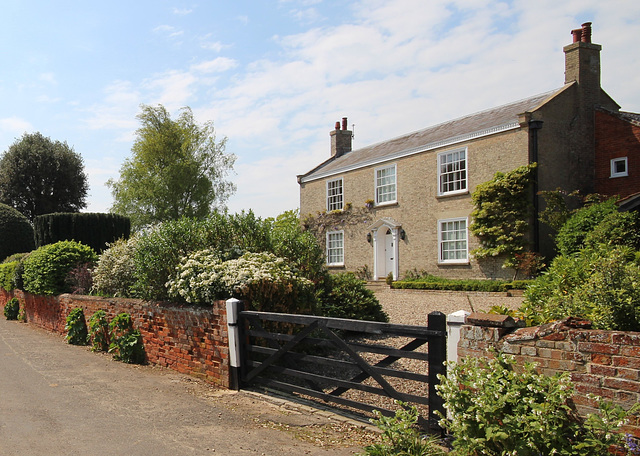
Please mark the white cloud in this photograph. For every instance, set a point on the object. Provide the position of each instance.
(218, 65)
(169, 30)
(49, 78)
(117, 110)
(215, 46)
(182, 12)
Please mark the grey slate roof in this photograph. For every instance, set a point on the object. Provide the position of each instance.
(483, 123)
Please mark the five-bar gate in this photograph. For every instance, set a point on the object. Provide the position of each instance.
(346, 362)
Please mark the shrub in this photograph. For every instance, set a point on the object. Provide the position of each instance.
(16, 232)
(615, 229)
(46, 269)
(264, 281)
(79, 279)
(115, 272)
(571, 237)
(597, 284)
(401, 436)
(11, 309)
(346, 296)
(160, 249)
(99, 331)
(76, 327)
(93, 229)
(8, 275)
(126, 342)
(498, 410)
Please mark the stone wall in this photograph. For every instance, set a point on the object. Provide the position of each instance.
(602, 363)
(188, 339)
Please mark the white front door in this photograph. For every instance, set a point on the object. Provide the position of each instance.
(389, 253)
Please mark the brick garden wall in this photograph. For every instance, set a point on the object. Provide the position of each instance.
(604, 363)
(190, 340)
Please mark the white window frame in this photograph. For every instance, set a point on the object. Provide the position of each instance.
(614, 163)
(335, 201)
(442, 224)
(454, 170)
(335, 248)
(378, 186)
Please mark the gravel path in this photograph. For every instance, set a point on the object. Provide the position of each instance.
(411, 307)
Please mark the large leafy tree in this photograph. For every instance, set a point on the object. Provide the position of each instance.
(177, 169)
(41, 176)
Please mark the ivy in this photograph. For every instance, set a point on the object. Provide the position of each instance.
(502, 213)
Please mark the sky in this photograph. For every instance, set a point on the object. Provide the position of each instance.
(275, 75)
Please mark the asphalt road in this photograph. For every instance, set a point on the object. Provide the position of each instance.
(58, 399)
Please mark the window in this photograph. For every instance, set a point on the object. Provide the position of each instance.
(386, 185)
(335, 248)
(619, 167)
(452, 240)
(335, 200)
(452, 172)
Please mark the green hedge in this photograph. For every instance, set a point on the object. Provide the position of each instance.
(92, 229)
(462, 285)
(7, 275)
(16, 233)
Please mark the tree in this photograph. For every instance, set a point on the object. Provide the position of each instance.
(16, 233)
(41, 176)
(177, 169)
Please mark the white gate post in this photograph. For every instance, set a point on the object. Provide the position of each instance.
(233, 306)
(455, 321)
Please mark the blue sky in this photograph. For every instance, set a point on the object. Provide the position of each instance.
(275, 75)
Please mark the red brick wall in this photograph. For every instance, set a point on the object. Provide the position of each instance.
(616, 138)
(604, 363)
(191, 340)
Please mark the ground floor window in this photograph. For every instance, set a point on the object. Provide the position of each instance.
(335, 248)
(453, 241)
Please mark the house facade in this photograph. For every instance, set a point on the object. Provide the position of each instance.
(405, 204)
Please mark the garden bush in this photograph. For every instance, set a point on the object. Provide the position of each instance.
(76, 327)
(264, 281)
(16, 232)
(115, 271)
(8, 275)
(99, 331)
(571, 237)
(12, 309)
(125, 341)
(46, 269)
(496, 409)
(597, 284)
(345, 296)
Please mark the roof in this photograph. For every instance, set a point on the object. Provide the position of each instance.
(484, 123)
(631, 117)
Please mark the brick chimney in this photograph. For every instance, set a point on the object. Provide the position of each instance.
(340, 139)
(582, 63)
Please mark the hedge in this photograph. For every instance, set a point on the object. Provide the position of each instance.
(462, 285)
(92, 229)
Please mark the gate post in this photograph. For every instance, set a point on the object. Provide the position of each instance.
(455, 321)
(233, 307)
(437, 321)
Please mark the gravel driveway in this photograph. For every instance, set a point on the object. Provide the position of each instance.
(411, 307)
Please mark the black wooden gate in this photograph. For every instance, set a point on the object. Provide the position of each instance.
(346, 362)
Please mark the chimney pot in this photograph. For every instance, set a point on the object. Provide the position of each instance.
(577, 35)
(338, 125)
(344, 123)
(586, 32)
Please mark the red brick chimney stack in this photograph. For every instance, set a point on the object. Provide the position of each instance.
(340, 139)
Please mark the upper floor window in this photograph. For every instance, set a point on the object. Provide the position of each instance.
(335, 248)
(452, 172)
(619, 167)
(335, 195)
(453, 241)
(386, 185)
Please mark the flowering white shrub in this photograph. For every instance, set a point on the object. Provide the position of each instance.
(114, 274)
(264, 280)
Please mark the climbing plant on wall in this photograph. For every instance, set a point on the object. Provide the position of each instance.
(502, 214)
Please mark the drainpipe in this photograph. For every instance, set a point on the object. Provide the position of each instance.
(534, 126)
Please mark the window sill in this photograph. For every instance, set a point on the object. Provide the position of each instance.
(614, 176)
(447, 195)
(335, 266)
(454, 263)
(386, 204)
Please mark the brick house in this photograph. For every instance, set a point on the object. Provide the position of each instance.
(617, 136)
(405, 203)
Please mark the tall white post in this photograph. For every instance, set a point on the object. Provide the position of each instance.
(233, 306)
(455, 321)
